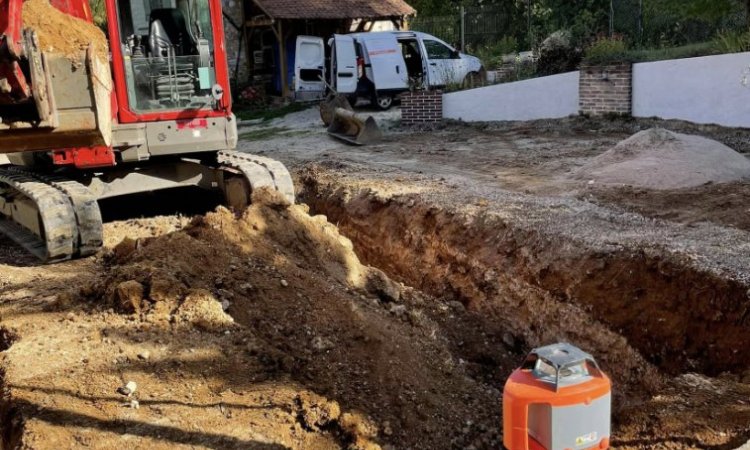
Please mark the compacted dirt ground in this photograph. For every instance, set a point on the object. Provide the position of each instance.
(387, 310)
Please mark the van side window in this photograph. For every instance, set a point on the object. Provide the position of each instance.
(436, 50)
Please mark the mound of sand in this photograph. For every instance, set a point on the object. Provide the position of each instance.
(61, 33)
(660, 159)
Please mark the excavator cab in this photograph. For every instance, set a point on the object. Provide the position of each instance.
(168, 55)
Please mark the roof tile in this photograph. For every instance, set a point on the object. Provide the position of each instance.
(335, 9)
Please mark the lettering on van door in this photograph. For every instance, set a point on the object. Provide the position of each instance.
(382, 52)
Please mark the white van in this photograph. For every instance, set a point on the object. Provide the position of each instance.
(381, 65)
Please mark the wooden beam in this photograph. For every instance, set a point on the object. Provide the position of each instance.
(259, 22)
(283, 63)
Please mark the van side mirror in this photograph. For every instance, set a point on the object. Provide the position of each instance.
(455, 54)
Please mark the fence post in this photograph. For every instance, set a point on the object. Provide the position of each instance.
(463, 28)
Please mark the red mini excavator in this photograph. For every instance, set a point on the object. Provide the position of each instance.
(157, 115)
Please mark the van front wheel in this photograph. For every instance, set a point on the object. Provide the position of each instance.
(383, 101)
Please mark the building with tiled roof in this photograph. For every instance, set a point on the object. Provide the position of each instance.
(255, 29)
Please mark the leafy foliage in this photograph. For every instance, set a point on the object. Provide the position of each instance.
(492, 54)
(733, 41)
(645, 23)
(99, 12)
(606, 50)
(611, 55)
(558, 54)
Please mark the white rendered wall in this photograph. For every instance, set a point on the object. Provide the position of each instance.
(540, 98)
(701, 90)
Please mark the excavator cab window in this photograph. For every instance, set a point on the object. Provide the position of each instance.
(168, 54)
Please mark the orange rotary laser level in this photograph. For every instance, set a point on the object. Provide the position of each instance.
(558, 400)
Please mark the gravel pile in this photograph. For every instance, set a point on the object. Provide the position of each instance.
(662, 159)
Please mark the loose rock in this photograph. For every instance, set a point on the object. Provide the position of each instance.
(129, 388)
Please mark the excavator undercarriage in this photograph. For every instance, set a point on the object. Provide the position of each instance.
(57, 218)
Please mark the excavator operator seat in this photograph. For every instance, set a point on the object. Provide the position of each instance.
(158, 40)
(172, 26)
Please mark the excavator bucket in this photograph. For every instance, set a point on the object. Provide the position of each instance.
(354, 128)
(329, 105)
(63, 103)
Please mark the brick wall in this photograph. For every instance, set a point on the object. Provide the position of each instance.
(606, 89)
(421, 107)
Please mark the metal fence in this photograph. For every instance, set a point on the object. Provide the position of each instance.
(644, 23)
(478, 26)
(447, 28)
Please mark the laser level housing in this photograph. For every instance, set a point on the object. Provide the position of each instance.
(559, 399)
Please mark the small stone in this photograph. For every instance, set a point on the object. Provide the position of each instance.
(321, 344)
(509, 340)
(379, 284)
(128, 389)
(246, 287)
(145, 355)
(458, 306)
(225, 304)
(284, 283)
(398, 310)
(129, 295)
(134, 404)
(387, 430)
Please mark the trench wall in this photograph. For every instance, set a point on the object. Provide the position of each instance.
(678, 318)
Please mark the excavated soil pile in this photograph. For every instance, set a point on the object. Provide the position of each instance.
(661, 159)
(61, 33)
(290, 299)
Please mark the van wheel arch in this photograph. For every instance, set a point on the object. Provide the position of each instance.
(475, 78)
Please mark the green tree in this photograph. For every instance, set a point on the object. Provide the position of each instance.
(434, 7)
(710, 10)
(99, 13)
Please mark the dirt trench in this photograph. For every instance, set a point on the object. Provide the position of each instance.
(650, 318)
(267, 331)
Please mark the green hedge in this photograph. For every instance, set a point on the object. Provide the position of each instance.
(600, 54)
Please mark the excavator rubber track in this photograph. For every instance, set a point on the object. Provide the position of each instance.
(55, 219)
(260, 172)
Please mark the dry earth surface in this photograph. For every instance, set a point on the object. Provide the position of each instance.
(389, 309)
